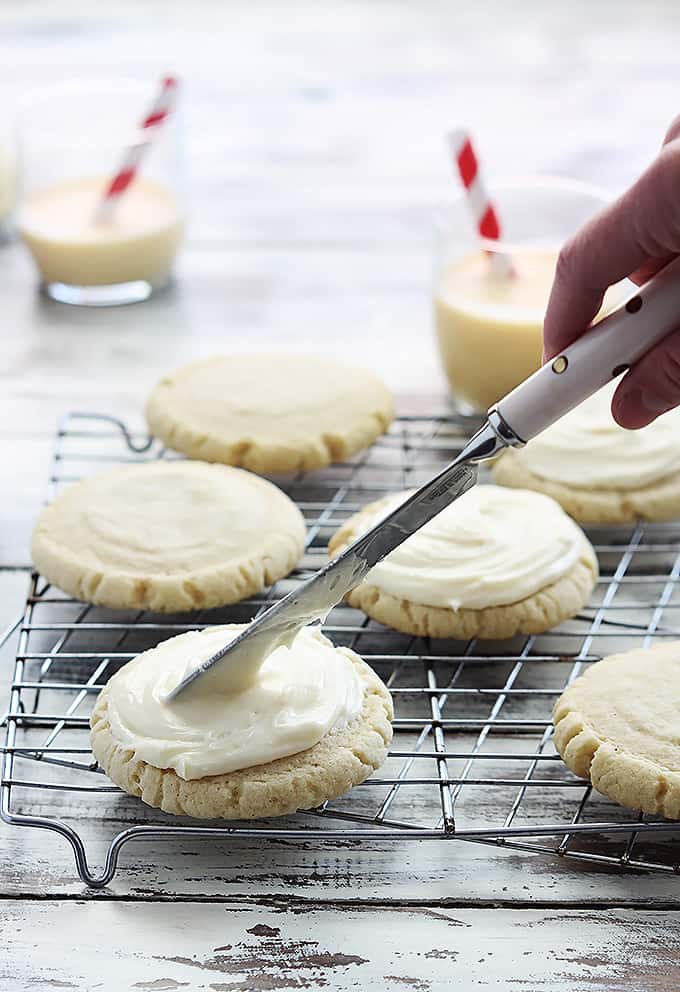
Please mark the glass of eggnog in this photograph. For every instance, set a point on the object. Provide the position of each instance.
(488, 324)
(72, 139)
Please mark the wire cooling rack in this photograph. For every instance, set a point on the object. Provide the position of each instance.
(472, 757)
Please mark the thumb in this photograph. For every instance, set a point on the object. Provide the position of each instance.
(651, 387)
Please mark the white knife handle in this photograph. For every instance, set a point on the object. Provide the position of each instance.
(615, 343)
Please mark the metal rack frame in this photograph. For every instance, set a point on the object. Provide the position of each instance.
(472, 757)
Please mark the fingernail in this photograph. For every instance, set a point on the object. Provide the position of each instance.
(628, 409)
(638, 407)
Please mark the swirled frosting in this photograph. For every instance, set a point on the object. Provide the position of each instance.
(299, 694)
(490, 547)
(587, 449)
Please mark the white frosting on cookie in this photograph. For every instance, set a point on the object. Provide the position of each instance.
(491, 547)
(587, 449)
(299, 694)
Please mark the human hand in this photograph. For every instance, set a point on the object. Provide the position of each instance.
(635, 236)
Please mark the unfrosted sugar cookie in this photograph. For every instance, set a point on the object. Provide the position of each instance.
(175, 535)
(596, 470)
(493, 564)
(314, 722)
(269, 413)
(618, 725)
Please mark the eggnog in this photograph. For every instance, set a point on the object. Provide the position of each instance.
(489, 327)
(69, 246)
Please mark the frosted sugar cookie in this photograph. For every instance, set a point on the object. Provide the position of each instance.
(313, 723)
(493, 564)
(596, 470)
(618, 725)
(166, 536)
(269, 413)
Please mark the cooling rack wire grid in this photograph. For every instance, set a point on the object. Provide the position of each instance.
(472, 757)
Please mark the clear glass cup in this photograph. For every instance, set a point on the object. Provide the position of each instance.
(72, 139)
(489, 327)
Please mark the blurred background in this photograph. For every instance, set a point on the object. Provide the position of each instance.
(313, 137)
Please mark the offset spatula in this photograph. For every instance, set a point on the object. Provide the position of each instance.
(614, 344)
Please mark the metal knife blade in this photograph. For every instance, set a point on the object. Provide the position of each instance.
(313, 600)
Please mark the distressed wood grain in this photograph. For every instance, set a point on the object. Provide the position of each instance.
(263, 947)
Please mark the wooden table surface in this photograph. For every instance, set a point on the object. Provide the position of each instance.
(316, 164)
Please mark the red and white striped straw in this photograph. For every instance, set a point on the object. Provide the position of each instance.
(481, 206)
(160, 110)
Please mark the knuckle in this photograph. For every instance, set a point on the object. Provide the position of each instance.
(656, 219)
(666, 176)
(567, 262)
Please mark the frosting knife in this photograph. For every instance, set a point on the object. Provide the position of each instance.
(604, 353)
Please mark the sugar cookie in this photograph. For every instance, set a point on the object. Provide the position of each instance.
(597, 471)
(617, 724)
(168, 535)
(495, 563)
(269, 413)
(313, 693)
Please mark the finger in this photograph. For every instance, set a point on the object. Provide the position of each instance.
(643, 224)
(651, 387)
(650, 268)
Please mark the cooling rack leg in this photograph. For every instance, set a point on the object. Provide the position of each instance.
(82, 867)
